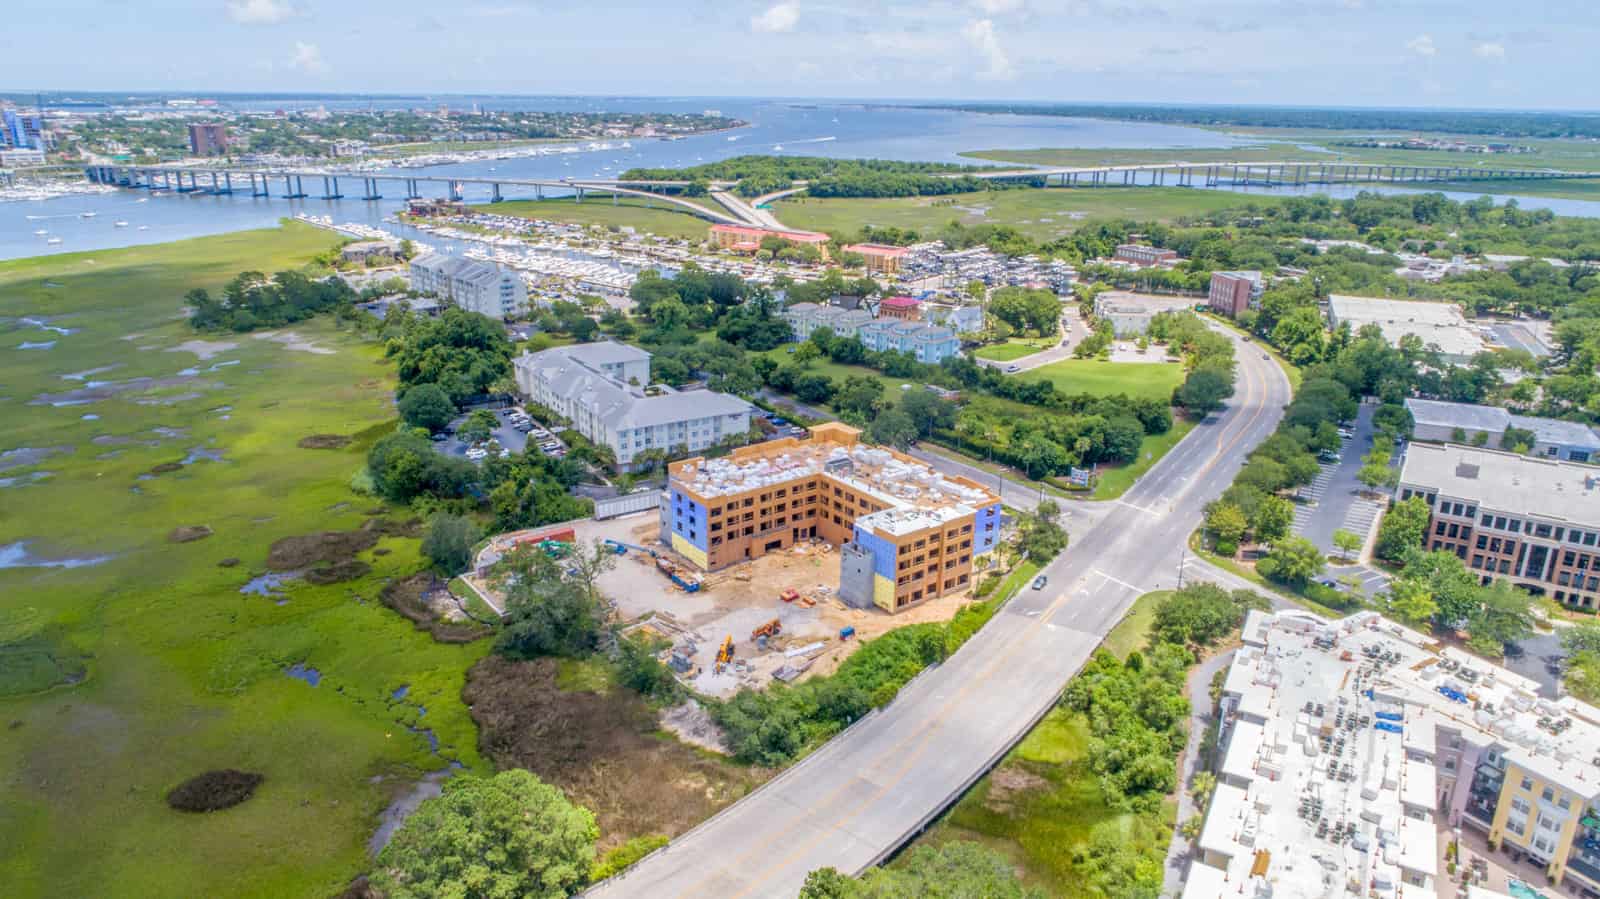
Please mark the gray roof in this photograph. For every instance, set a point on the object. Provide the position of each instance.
(1506, 482)
(604, 352)
(570, 372)
(1558, 432)
(457, 268)
(1458, 415)
(649, 411)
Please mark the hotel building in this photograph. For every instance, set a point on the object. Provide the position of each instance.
(906, 533)
(1349, 749)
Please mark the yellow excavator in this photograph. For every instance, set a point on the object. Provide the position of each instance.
(725, 654)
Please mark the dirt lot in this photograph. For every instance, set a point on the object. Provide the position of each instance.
(602, 748)
(737, 600)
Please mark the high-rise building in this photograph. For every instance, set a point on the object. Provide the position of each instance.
(22, 131)
(208, 138)
(1234, 292)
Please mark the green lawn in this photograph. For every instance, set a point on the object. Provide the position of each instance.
(1040, 213)
(1041, 802)
(660, 219)
(1015, 348)
(181, 672)
(1151, 380)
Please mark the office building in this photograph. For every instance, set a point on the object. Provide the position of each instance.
(475, 286)
(1534, 522)
(1139, 254)
(208, 138)
(879, 259)
(1130, 313)
(1349, 749)
(1440, 326)
(906, 533)
(744, 239)
(604, 390)
(1441, 422)
(1233, 292)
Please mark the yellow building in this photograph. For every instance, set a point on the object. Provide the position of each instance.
(906, 532)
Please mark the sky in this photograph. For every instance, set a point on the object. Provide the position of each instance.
(1432, 53)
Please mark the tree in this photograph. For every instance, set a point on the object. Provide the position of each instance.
(1504, 615)
(1410, 601)
(508, 836)
(548, 612)
(1375, 471)
(1199, 613)
(427, 406)
(806, 353)
(1455, 588)
(1402, 529)
(448, 542)
(1347, 542)
(1203, 391)
(1040, 535)
(478, 427)
(1294, 561)
(893, 428)
(1272, 520)
(956, 870)
(1227, 524)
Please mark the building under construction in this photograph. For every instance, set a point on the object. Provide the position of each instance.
(906, 532)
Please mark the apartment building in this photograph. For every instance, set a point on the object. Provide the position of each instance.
(880, 259)
(1233, 292)
(906, 309)
(745, 239)
(1139, 254)
(804, 318)
(604, 390)
(1441, 422)
(928, 343)
(1350, 748)
(906, 533)
(475, 286)
(1532, 521)
(208, 138)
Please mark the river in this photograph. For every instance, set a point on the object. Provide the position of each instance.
(800, 127)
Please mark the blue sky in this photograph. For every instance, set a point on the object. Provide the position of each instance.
(1457, 53)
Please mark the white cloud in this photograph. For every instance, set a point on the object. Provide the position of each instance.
(1490, 50)
(308, 58)
(981, 35)
(1422, 45)
(997, 7)
(259, 12)
(780, 18)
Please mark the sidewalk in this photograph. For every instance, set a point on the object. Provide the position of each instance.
(1198, 689)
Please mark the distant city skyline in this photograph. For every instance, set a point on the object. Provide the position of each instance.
(1470, 54)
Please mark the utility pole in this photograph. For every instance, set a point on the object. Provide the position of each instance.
(1183, 559)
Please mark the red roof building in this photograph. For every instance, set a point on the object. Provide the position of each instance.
(745, 239)
(907, 309)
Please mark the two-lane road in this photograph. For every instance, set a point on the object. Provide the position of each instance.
(857, 799)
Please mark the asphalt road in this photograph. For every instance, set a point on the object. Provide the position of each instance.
(1073, 332)
(855, 800)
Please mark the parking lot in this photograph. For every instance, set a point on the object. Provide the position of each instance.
(1335, 500)
(506, 433)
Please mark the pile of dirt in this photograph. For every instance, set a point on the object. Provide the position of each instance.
(214, 790)
(328, 547)
(325, 441)
(338, 572)
(1008, 782)
(409, 597)
(167, 467)
(389, 527)
(602, 749)
(189, 533)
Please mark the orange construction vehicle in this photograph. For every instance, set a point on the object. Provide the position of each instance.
(789, 594)
(771, 629)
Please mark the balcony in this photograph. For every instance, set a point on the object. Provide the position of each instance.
(1585, 866)
(1481, 816)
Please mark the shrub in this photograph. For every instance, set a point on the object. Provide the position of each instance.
(214, 790)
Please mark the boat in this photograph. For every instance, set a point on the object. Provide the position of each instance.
(88, 215)
(144, 227)
(777, 146)
(53, 240)
(120, 223)
(41, 232)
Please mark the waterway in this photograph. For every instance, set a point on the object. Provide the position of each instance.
(798, 127)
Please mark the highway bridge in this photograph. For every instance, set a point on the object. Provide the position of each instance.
(1270, 174)
(855, 801)
(292, 185)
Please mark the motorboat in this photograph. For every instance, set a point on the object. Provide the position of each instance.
(120, 223)
(88, 215)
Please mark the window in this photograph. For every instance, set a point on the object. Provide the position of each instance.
(1565, 802)
(1548, 795)
(1527, 784)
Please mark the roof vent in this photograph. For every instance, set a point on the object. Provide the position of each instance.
(1467, 470)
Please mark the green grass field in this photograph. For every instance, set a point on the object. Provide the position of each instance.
(1039, 213)
(180, 671)
(1041, 802)
(1153, 380)
(1014, 348)
(661, 219)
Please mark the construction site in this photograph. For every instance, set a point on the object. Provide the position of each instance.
(777, 617)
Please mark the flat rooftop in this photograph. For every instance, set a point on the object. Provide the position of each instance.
(1532, 486)
(917, 495)
(1334, 781)
(1438, 325)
